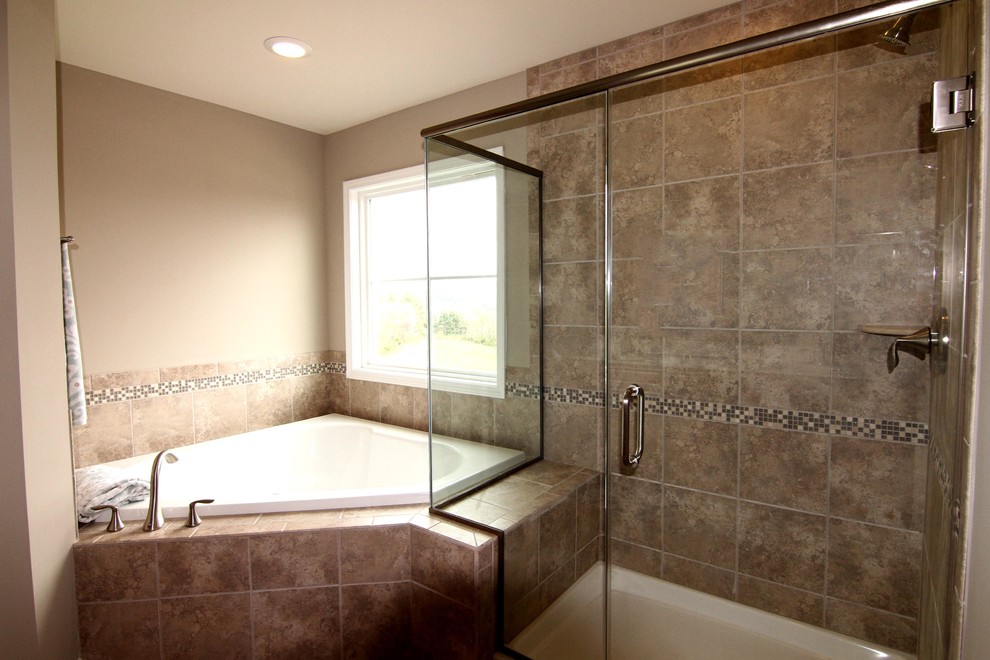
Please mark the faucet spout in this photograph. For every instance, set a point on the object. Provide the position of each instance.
(155, 519)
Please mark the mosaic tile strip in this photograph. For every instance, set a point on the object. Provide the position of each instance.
(210, 383)
(523, 390)
(790, 420)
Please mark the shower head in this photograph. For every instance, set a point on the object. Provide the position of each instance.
(899, 34)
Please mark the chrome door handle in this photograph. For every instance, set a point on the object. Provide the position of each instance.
(631, 459)
(919, 344)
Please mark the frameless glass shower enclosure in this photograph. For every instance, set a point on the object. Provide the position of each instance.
(729, 277)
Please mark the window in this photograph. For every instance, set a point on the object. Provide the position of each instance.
(386, 278)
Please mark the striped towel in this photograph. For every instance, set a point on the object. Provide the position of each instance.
(73, 354)
(102, 484)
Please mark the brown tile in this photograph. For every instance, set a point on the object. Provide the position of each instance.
(571, 434)
(571, 293)
(557, 583)
(703, 140)
(557, 536)
(547, 473)
(567, 61)
(701, 365)
(204, 566)
(701, 455)
(162, 422)
(701, 285)
(571, 164)
(311, 396)
(785, 468)
(108, 631)
(294, 560)
(778, 599)
(589, 511)
(120, 379)
(708, 83)
(472, 418)
(687, 573)
(636, 558)
(568, 76)
(717, 15)
(366, 399)
(476, 510)
(207, 626)
(397, 402)
(105, 437)
(220, 412)
(785, 14)
(115, 572)
(787, 64)
(706, 211)
(789, 125)
(517, 424)
(865, 276)
(865, 127)
(637, 100)
(520, 614)
(442, 565)
(269, 403)
(878, 482)
(637, 218)
(522, 557)
(875, 566)
(637, 511)
(296, 623)
(570, 229)
(786, 370)
(787, 290)
(441, 628)
(788, 207)
(569, 116)
(378, 554)
(705, 36)
(885, 198)
(375, 621)
(189, 372)
(783, 546)
(700, 526)
(861, 385)
(899, 632)
(634, 155)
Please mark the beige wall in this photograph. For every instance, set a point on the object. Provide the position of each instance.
(200, 229)
(385, 144)
(37, 608)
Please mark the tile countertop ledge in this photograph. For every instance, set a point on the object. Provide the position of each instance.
(273, 523)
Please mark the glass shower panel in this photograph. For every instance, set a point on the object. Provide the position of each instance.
(483, 223)
(762, 211)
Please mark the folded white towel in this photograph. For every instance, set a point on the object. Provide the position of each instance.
(102, 484)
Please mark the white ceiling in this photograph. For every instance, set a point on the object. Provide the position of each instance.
(371, 57)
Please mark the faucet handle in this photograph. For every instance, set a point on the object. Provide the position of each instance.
(193, 519)
(116, 524)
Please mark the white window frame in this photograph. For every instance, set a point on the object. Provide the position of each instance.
(356, 194)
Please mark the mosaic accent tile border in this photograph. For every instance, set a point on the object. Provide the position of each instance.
(790, 420)
(115, 395)
(523, 390)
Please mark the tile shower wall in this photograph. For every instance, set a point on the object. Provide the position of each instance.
(762, 209)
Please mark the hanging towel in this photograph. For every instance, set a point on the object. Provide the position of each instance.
(73, 356)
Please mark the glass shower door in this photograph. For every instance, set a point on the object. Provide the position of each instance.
(761, 212)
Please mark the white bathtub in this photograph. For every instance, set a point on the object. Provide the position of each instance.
(326, 462)
(657, 620)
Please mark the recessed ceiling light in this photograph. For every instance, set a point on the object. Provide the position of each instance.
(288, 47)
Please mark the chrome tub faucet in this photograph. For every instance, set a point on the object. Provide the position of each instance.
(155, 519)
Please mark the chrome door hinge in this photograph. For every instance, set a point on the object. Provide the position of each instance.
(953, 102)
